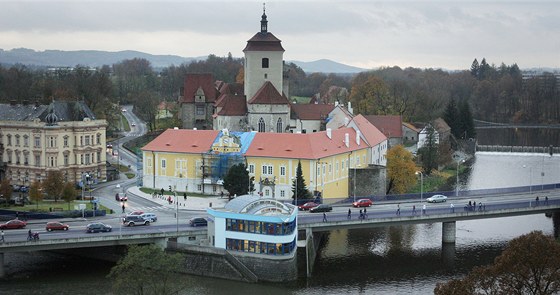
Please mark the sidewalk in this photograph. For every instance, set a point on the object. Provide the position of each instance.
(192, 203)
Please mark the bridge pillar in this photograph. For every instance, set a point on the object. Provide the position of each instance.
(448, 232)
(2, 270)
(310, 252)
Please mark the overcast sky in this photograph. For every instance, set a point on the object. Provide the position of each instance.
(368, 34)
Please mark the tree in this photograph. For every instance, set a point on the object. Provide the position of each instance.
(372, 97)
(6, 190)
(299, 188)
(429, 152)
(148, 270)
(530, 264)
(68, 193)
(400, 169)
(451, 117)
(466, 122)
(475, 68)
(53, 184)
(236, 181)
(35, 194)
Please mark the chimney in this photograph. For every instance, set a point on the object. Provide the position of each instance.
(336, 103)
(347, 139)
(329, 133)
(358, 133)
(350, 110)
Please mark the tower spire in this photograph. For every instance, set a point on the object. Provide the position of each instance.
(264, 22)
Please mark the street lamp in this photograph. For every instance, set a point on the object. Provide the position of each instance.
(421, 184)
(354, 190)
(530, 179)
(457, 183)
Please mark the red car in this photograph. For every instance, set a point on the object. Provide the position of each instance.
(136, 213)
(307, 206)
(362, 203)
(13, 224)
(54, 225)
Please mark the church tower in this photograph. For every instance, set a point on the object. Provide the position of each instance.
(263, 61)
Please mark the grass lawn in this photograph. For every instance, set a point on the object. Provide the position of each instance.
(46, 206)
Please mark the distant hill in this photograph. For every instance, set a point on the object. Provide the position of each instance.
(96, 58)
(327, 66)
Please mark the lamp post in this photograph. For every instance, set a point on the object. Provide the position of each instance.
(354, 190)
(530, 179)
(421, 184)
(457, 183)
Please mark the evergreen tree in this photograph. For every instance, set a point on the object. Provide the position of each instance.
(299, 188)
(429, 152)
(475, 67)
(236, 181)
(451, 117)
(466, 121)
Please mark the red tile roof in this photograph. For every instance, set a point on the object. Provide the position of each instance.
(312, 111)
(232, 105)
(264, 41)
(372, 135)
(303, 146)
(195, 81)
(268, 94)
(391, 126)
(183, 141)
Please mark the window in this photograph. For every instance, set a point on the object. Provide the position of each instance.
(81, 140)
(17, 139)
(37, 160)
(87, 139)
(200, 110)
(98, 157)
(282, 193)
(199, 187)
(98, 138)
(282, 171)
(66, 163)
(262, 125)
(265, 63)
(267, 169)
(51, 161)
(37, 141)
(163, 163)
(52, 141)
(25, 140)
(252, 168)
(25, 160)
(279, 126)
(66, 141)
(87, 159)
(9, 137)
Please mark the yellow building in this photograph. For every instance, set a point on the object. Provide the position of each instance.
(197, 160)
(65, 136)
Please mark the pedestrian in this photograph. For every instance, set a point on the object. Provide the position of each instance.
(361, 214)
(399, 209)
(349, 214)
(424, 209)
(162, 191)
(537, 201)
(2, 237)
(546, 200)
(17, 214)
(365, 213)
(221, 194)
(452, 208)
(122, 208)
(413, 209)
(470, 205)
(185, 196)
(473, 206)
(324, 217)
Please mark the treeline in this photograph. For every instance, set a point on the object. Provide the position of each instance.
(492, 93)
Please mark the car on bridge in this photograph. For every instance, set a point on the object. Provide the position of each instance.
(198, 221)
(362, 203)
(321, 208)
(132, 220)
(436, 199)
(149, 216)
(98, 227)
(55, 225)
(13, 224)
(307, 206)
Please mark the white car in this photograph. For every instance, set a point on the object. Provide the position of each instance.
(436, 199)
(149, 216)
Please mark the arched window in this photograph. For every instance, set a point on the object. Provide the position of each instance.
(279, 126)
(262, 126)
(265, 63)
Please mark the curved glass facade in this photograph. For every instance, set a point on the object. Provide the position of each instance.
(260, 247)
(259, 227)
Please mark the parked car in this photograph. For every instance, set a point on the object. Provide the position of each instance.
(24, 189)
(132, 220)
(362, 203)
(321, 208)
(149, 216)
(13, 224)
(55, 225)
(307, 206)
(436, 199)
(198, 221)
(98, 227)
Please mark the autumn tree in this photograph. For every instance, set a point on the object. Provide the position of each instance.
(6, 190)
(372, 97)
(528, 265)
(35, 194)
(299, 188)
(53, 184)
(400, 169)
(148, 270)
(68, 193)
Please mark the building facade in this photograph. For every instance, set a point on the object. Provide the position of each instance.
(65, 136)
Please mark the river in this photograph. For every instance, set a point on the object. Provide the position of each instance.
(391, 260)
